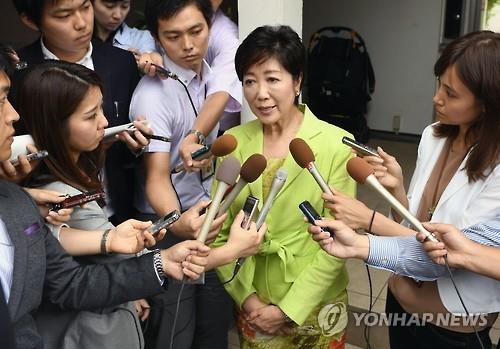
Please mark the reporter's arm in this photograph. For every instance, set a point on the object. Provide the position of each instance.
(240, 243)
(475, 248)
(159, 190)
(207, 119)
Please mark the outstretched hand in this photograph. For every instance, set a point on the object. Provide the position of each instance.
(452, 243)
(187, 258)
(342, 242)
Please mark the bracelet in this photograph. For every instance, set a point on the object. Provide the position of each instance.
(104, 239)
(201, 136)
(158, 264)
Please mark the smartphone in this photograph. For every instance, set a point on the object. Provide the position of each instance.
(311, 214)
(80, 199)
(164, 222)
(360, 147)
(249, 209)
(31, 157)
(199, 154)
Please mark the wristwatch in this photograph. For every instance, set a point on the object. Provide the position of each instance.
(158, 264)
(201, 136)
(104, 240)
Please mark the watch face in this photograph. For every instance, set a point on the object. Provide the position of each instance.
(201, 136)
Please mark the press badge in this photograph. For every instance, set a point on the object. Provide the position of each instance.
(208, 171)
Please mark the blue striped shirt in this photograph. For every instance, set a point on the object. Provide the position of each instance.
(6, 260)
(404, 255)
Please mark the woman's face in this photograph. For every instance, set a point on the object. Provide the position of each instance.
(270, 90)
(86, 125)
(110, 14)
(454, 102)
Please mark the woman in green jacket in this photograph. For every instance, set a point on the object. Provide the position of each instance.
(291, 293)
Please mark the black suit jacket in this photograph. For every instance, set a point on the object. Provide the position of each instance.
(118, 72)
(6, 331)
(41, 264)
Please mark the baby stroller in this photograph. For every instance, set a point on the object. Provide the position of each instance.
(340, 79)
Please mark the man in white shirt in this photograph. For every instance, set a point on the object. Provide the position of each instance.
(181, 28)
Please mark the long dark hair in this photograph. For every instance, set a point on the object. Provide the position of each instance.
(476, 57)
(49, 94)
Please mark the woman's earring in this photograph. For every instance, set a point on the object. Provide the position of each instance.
(297, 93)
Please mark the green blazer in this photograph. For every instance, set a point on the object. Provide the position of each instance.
(291, 270)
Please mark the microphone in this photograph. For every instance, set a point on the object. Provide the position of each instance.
(112, 131)
(278, 182)
(362, 173)
(226, 175)
(19, 145)
(222, 146)
(304, 157)
(251, 169)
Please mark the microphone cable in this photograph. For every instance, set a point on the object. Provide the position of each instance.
(189, 95)
(366, 330)
(168, 74)
(235, 271)
(461, 300)
(176, 313)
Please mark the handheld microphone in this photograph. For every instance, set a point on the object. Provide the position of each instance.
(226, 175)
(362, 173)
(304, 157)
(251, 169)
(278, 182)
(112, 131)
(222, 146)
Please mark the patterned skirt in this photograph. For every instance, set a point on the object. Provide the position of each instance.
(324, 328)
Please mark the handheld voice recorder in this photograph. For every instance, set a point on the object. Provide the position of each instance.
(249, 209)
(360, 147)
(164, 222)
(31, 157)
(311, 214)
(80, 199)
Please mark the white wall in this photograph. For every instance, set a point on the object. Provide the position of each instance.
(254, 13)
(402, 37)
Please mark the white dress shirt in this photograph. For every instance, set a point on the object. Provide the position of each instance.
(6, 260)
(169, 112)
(222, 45)
(132, 38)
(86, 60)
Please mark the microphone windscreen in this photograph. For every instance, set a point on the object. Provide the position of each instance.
(359, 169)
(253, 167)
(301, 152)
(228, 170)
(224, 145)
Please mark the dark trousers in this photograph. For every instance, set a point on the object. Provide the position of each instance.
(429, 336)
(204, 317)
